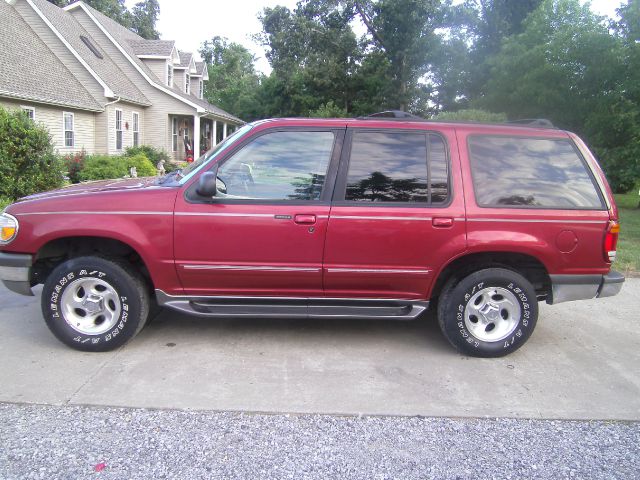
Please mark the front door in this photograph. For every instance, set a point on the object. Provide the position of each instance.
(397, 216)
(263, 233)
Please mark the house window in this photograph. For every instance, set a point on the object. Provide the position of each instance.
(174, 134)
(201, 89)
(187, 83)
(30, 111)
(135, 120)
(118, 129)
(68, 127)
(169, 75)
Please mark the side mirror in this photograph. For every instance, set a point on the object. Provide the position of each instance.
(207, 184)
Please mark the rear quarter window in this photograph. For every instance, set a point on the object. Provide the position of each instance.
(531, 173)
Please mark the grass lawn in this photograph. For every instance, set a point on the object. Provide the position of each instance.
(628, 261)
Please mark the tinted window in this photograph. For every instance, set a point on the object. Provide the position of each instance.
(392, 167)
(531, 172)
(278, 166)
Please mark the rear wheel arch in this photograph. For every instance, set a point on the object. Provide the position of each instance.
(528, 266)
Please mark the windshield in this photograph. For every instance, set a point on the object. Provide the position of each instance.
(192, 168)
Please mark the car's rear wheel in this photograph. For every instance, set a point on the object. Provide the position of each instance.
(94, 304)
(489, 313)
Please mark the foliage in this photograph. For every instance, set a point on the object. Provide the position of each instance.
(233, 81)
(105, 167)
(74, 162)
(153, 154)
(141, 19)
(27, 162)
(472, 115)
(628, 259)
(567, 66)
(173, 166)
(328, 110)
(4, 202)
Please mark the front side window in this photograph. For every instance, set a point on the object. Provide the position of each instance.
(530, 172)
(118, 129)
(135, 120)
(69, 134)
(278, 166)
(397, 167)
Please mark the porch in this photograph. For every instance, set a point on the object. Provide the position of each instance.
(182, 138)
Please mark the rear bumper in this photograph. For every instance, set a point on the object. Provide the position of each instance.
(567, 288)
(15, 272)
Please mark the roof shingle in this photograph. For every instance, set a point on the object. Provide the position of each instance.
(31, 71)
(161, 48)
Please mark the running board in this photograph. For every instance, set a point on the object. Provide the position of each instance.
(281, 307)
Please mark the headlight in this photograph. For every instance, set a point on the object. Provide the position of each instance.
(8, 228)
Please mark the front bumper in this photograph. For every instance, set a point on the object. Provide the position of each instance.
(567, 288)
(15, 272)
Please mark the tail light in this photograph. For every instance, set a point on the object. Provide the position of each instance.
(611, 241)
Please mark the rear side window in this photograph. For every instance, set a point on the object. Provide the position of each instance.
(397, 167)
(530, 172)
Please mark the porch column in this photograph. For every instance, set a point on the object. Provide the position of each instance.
(214, 139)
(224, 131)
(196, 136)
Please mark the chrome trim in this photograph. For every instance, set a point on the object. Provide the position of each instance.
(250, 268)
(15, 274)
(529, 220)
(376, 270)
(373, 217)
(206, 214)
(96, 213)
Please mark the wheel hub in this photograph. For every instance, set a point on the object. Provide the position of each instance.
(91, 306)
(492, 314)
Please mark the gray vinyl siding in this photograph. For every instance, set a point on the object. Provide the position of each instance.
(52, 118)
(155, 120)
(159, 67)
(60, 50)
(127, 126)
(178, 79)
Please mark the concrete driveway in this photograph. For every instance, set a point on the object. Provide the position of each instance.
(582, 362)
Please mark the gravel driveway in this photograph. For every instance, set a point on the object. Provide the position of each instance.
(73, 442)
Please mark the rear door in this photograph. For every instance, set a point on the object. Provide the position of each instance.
(397, 214)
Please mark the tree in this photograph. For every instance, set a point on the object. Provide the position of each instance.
(233, 82)
(144, 16)
(566, 66)
(141, 19)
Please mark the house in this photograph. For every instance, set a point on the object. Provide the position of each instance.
(101, 88)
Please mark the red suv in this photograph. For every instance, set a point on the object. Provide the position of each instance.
(372, 217)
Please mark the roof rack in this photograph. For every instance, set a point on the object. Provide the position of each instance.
(392, 115)
(533, 122)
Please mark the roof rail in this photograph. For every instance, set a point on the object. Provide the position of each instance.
(392, 115)
(533, 122)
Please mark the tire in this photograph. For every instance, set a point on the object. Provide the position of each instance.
(94, 304)
(489, 313)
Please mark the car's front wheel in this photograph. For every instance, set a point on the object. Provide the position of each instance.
(489, 313)
(94, 304)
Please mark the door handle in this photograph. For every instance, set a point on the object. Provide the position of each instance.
(442, 222)
(305, 219)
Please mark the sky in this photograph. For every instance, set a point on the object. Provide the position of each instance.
(191, 22)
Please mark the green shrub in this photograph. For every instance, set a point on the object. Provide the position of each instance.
(104, 167)
(471, 115)
(153, 154)
(172, 166)
(4, 201)
(74, 163)
(27, 161)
